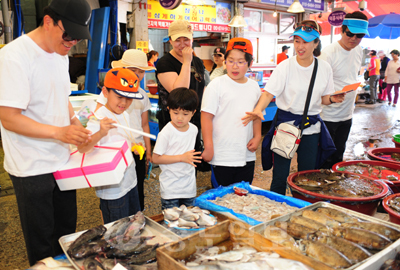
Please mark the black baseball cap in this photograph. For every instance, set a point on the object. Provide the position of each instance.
(285, 47)
(75, 17)
(219, 50)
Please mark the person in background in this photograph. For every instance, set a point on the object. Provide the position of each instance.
(229, 146)
(179, 68)
(382, 85)
(289, 83)
(135, 60)
(174, 150)
(152, 57)
(218, 67)
(392, 77)
(373, 67)
(345, 58)
(283, 55)
(120, 87)
(38, 124)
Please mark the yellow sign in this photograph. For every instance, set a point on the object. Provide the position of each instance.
(201, 14)
(142, 46)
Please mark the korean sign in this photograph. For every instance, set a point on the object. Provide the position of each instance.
(202, 18)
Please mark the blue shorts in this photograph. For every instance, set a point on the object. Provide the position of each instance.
(176, 202)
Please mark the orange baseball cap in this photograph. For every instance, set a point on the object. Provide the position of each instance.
(123, 82)
(241, 44)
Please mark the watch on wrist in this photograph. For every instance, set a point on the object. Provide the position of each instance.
(330, 99)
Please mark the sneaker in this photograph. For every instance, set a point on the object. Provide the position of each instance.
(389, 104)
(379, 100)
(394, 105)
(370, 102)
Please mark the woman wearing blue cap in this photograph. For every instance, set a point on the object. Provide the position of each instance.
(289, 83)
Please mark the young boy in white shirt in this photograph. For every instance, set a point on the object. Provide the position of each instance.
(136, 61)
(230, 146)
(120, 87)
(174, 150)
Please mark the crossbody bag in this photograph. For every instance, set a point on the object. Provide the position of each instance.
(287, 137)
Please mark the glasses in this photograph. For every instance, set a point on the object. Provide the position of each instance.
(350, 34)
(238, 63)
(197, 76)
(306, 28)
(67, 37)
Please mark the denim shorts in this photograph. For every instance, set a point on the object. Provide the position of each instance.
(125, 206)
(176, 202)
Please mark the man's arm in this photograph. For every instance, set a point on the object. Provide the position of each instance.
(13, 120)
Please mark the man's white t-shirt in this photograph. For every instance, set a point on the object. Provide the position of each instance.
(289, 84)
(345, 65)
(113, 192)
(37, 82)
(177, 180)
(229, 101)
(135, 111)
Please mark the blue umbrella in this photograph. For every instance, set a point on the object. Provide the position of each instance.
(384, 26)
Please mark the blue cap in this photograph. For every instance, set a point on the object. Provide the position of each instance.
(357, 26)
(307, 36)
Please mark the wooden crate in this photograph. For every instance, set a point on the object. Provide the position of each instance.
(228, 230)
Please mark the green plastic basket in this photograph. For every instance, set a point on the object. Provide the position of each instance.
(396, 138)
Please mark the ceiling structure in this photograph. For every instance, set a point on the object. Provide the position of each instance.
(374, 8)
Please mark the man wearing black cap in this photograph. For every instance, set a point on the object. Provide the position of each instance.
(38, 123)
(283, 55)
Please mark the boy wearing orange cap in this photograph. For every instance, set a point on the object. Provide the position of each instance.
(228, 145)
(120, 88)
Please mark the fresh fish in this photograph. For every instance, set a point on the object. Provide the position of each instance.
(128, 250)
(88, 236)
(295, 230)
(310, 223)
(118, 228)
(171, 214)
(389, 232)
(230, 256)
(320, 218)
(324, 253)
(198, 210)
(172, 224)
(109, 264)
(337, 215)
(363, 237)
(91, 263)
(277, 235)
(206, 220)
(89, 249)
(144, 257)
(188, 215)
(352, 251)
(185, 223)
(135, 226)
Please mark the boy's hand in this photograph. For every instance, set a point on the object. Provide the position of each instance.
(252, 116)
(207, 154)
(105, 125)
(187, 54)
(253, 144)
(191, 157)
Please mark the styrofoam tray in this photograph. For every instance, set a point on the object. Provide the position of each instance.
(374, 262)
(152, 228)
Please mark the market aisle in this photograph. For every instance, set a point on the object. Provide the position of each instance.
(376, 123)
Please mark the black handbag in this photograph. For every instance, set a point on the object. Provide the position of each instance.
(366, 75)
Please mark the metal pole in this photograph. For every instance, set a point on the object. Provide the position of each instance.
(6, 21)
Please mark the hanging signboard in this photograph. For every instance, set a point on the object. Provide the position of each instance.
(202, 18)
(142, 46)
(336, 18)
(317, 5)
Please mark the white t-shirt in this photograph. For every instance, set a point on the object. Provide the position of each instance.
(37, 82)
(345, 65)
(177, 180)
(391, 72)
(229, 101)
(217, 72)
(113, 192)
(289, 84)
(135, 111)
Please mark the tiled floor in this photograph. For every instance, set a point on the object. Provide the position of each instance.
(373, 126)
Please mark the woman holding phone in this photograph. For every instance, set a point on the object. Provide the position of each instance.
(179, 68)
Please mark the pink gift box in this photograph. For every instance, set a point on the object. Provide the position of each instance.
(105, 165)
